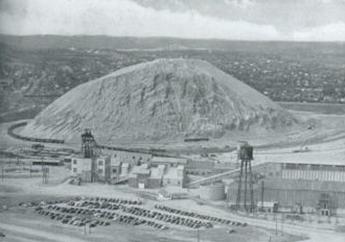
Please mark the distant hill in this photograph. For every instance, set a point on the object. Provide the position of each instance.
(109, 42)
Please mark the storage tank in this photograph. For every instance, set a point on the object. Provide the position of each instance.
(214, 192)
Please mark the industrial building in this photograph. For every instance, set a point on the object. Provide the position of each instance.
(139, 177)
(132, 158)
(295, 170)
(300, 187)
(140, 169)
(174, 176)
(168, 161)
(193, 167)
(116, 168)
(155, 177)
(113, 170)
(200, 168)
(311, 196)
(101, 166)
(82, 167)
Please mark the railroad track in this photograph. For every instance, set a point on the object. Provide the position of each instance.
(11, 133)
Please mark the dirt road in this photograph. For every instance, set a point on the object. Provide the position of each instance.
(21, 233)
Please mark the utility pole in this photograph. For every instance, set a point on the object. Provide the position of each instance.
(283, 220)
(45, 174)
(239, 189)
(276, 220)
(198, 235)
(262, 195)
(42, 162)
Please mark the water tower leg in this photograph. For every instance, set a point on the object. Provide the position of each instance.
(251, 188)
(238, 198)
(245, 185)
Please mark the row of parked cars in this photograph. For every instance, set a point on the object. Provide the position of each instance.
(70, 219)
(168, 218)
(132, 220)
(97, 211)
(92, 212)
(109, 200)
(93, 218)
(199, 216)
(100, 208)
(95, 205)
(71, 210)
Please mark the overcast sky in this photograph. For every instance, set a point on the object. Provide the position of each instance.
(307, 20)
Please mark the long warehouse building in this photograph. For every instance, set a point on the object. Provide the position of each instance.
(310, 187)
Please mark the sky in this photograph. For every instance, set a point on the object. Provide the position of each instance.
(295, 20)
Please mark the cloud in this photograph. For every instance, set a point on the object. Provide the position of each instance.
(243, 4)
(330, 1)
(122, 18)
(329, 32)
(127, 18)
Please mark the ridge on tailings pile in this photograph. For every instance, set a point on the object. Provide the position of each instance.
(162, 99)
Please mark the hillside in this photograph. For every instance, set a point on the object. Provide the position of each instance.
(162, 99)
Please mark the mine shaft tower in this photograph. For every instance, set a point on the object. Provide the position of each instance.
(245, 155)
(88, 144)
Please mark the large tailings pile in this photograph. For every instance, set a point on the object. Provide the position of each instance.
(162, 99)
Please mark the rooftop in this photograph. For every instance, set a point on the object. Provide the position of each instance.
(316, 162)
(140, 170)
(172, 173)
(304, 185)
(157, 173)
(115, 162)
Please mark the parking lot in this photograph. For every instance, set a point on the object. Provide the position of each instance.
(200, 216)
(91, 212)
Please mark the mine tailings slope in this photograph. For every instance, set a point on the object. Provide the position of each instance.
(162, 99)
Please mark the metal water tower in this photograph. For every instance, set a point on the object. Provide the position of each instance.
(88, 144)
(245, 155)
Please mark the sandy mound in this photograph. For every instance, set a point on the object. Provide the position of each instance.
(162, 99)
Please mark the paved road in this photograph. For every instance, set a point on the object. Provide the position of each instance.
(22, 233)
